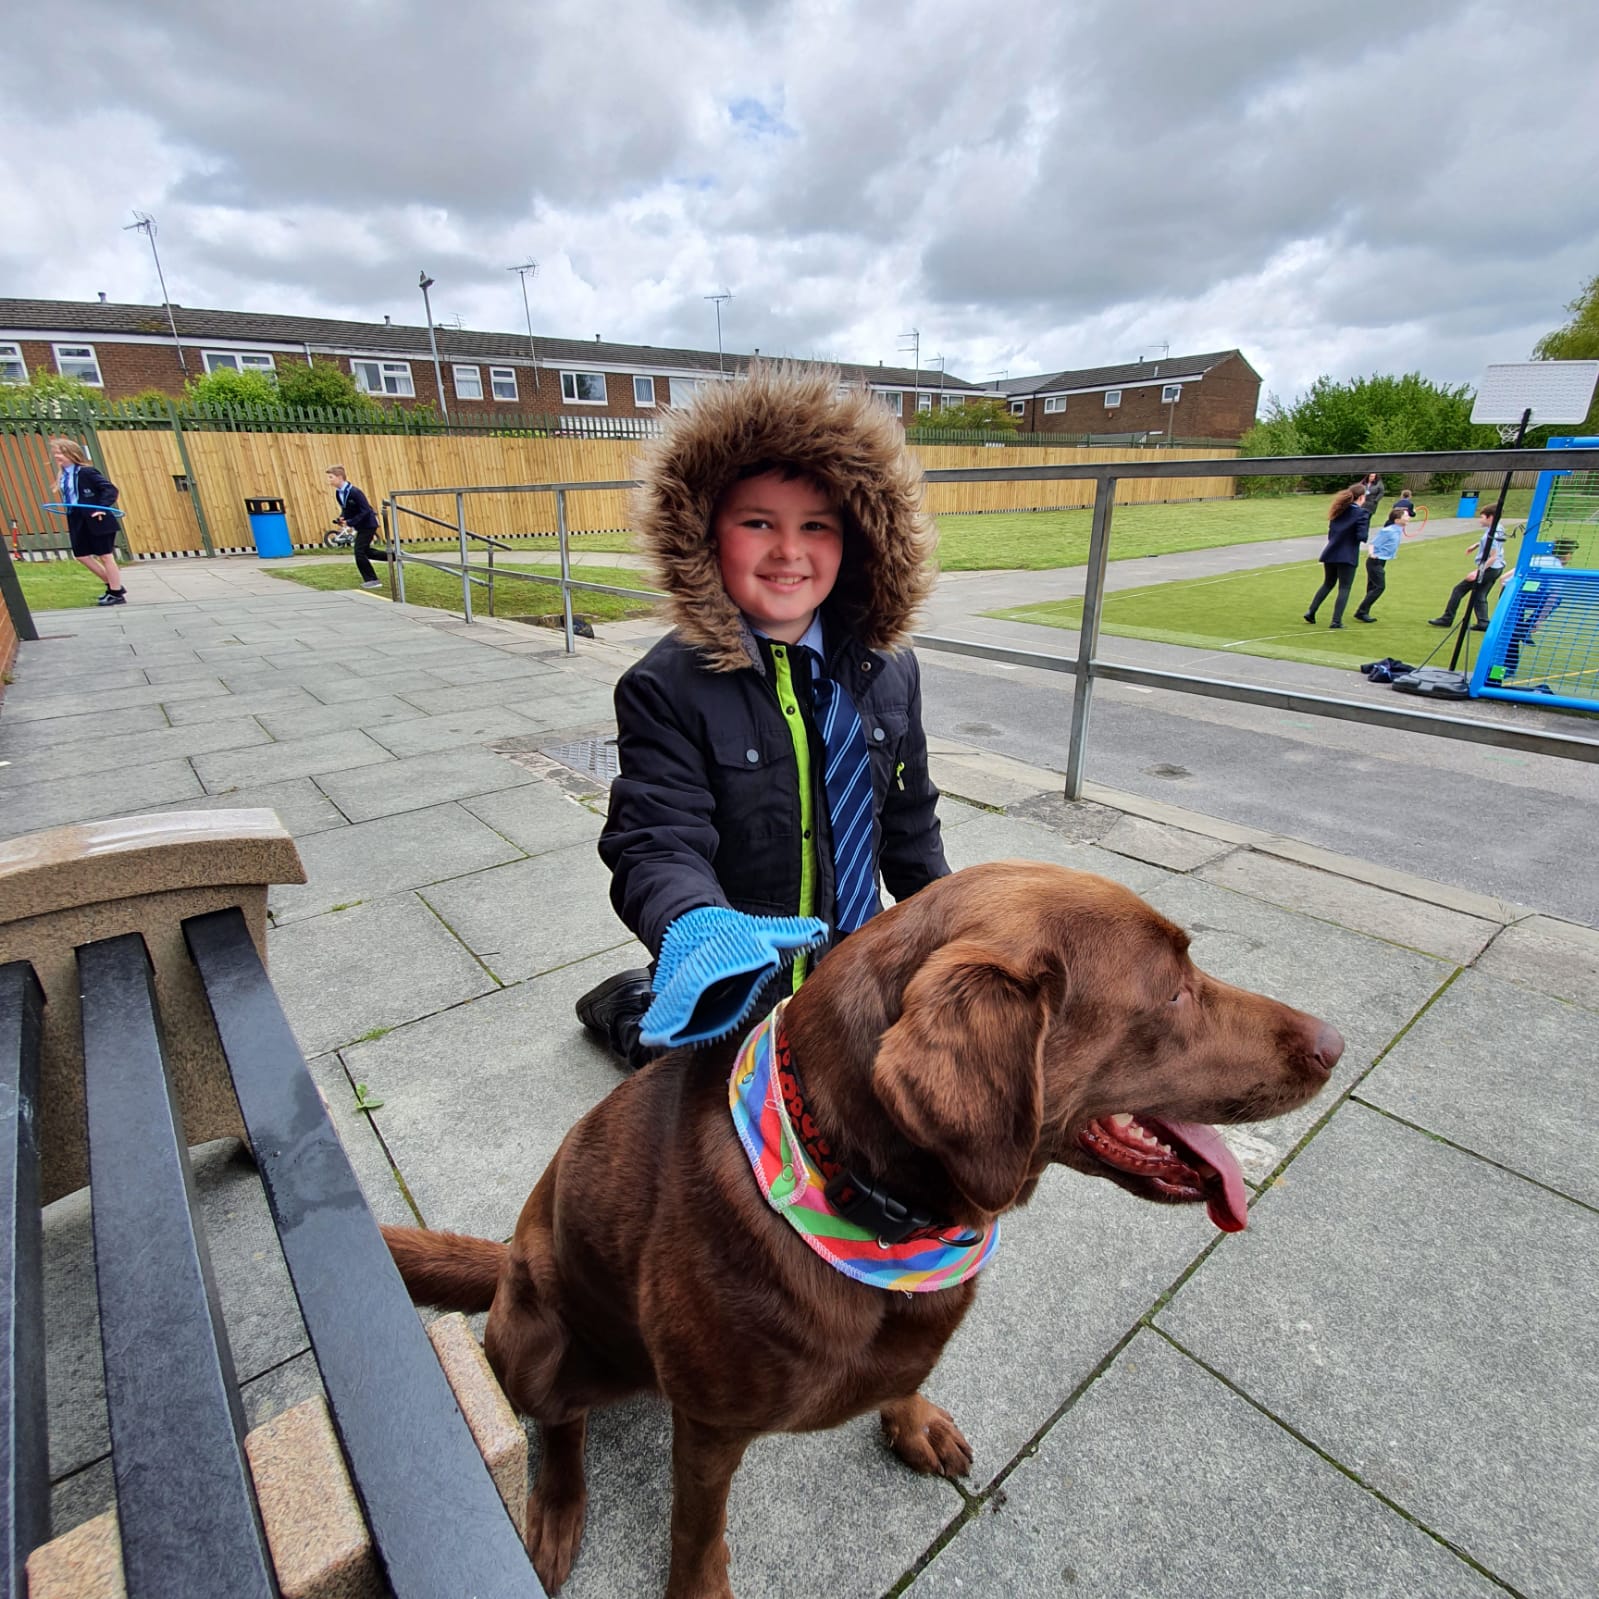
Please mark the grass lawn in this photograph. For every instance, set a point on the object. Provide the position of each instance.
(1260, 612)
(620, 543)
(57, 585)
(1041, 540)
(511, 597)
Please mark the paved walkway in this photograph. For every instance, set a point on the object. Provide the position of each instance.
(1385, 1387)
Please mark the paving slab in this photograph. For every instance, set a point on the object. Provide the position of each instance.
(476, 1099)
(387, 856)
(368, 1158)
(529, 692)
(418, 781)
(986, 779)
(299, 805)
(375, 965)
(123, 753)
(1368, 990)
(1159, 843)
(537, 817)
(37, 806)
(534, 915)
(989, 837)
(1428, 1321)
(1102, 1511)
(333, 689)
(252, 673)
(1398, 918)
(44, 734)
(284, 699)
(418, 735)
(296, 757)
(1506, 1073)
(18, 706)
(1555, 957)
(308, 721)
(93, 680)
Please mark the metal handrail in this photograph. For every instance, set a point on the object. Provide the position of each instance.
(1088, 668)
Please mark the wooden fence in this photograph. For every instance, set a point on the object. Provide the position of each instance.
(177, 488)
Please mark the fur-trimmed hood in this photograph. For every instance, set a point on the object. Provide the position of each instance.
(848, 442)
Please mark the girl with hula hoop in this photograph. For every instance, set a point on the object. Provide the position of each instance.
(88, 501)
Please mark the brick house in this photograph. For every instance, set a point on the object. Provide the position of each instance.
(1187, 397)
(125, 349)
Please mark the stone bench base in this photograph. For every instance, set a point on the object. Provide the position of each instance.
(314, 1528)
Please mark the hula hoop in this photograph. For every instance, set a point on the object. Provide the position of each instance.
(61, 507)
(1420, 517)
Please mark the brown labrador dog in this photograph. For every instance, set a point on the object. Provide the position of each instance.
(1007, 1017)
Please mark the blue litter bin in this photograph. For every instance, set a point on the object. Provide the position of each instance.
(1467, 506)
(269, 527)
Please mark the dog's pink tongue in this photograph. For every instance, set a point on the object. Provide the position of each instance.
(1226, 1198)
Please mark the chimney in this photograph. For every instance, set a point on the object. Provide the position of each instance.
(102, 297)
(596, 338)
(386, 322)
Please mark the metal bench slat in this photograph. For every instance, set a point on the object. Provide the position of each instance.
(186, 1508)
(436, 1517)
(24, 1439)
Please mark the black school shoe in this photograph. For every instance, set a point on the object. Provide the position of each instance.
(113, 597)
(1360, 618)
(1439, 621)
(612, 1010)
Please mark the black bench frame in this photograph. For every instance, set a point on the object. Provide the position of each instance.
(186, 1509)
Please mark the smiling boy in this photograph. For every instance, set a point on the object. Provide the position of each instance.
(771, 752)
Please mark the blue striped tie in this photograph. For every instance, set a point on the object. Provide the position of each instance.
(849, 806)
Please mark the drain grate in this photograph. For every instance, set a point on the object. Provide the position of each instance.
(593, 757)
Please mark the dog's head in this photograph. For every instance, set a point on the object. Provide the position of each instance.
(1017, 1014)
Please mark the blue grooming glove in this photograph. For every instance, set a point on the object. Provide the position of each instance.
(714, 963)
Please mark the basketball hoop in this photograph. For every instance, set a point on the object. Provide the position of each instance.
(1507, 431)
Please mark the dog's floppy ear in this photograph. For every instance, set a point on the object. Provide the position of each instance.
(961, 1071)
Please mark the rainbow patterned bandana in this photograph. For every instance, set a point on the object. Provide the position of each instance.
(794, 1189)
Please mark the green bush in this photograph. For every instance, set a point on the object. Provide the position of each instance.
(1274, 434)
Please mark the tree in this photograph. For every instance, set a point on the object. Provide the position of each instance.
(970, 416)
(229, 390)
(1274, 434)
(1578, 340)
(44, 392)
(323, 384)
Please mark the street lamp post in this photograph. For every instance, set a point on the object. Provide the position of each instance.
(424, 282)
(529, 266)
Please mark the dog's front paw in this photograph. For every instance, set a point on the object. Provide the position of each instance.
(554, 1532)
(926, 1438)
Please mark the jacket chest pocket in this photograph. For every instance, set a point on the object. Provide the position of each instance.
(754, 782)
(885, 732)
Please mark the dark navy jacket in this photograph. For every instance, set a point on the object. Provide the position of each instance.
(357, 511)
(94, 488)
(1345, 534)
(706, 810)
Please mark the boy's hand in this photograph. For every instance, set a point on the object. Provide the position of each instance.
(714, 963)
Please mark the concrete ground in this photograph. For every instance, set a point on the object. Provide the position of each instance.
(1384, 1387)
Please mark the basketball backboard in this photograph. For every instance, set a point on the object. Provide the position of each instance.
(1557, 392)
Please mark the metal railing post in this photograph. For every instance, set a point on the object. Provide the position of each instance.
(466, 575)
(1088, 635)
(391, 537)
(566, 570)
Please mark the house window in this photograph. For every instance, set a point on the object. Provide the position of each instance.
(239, 361)
(644, 391)
(391, 378)
(1113, 398)
(13, 369)
(682, 390)
(468, 382)
(502, 382)
(1018, 407)
(924, 402)
(1171, 393)
(1054, 405)
(894, 401)
(950, 401)
(583, 388)
(79, 361)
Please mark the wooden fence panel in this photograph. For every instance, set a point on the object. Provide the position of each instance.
(953, 499)
(146, 468)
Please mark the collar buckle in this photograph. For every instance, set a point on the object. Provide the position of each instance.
(857, 1201)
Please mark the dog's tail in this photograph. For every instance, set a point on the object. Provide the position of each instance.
(448, 1270)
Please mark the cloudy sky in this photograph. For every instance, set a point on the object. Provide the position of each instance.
(1344, 187)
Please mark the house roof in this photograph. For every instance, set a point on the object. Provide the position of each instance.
(1168, 369)
(328, 336)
